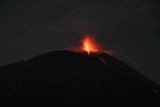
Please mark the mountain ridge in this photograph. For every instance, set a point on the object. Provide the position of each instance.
(73, 77)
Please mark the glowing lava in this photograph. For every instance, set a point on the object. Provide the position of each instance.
(90, 45)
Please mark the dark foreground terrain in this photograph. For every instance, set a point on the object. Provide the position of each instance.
(71, 79)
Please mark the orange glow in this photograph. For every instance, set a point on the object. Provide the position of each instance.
(90, 45)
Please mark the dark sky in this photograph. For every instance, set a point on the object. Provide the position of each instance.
(130, 28)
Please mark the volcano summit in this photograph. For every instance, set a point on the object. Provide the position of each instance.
(74, 79)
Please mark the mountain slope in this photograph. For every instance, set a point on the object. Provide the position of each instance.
(67, 78)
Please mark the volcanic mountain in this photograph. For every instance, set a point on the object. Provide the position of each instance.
(75, 79)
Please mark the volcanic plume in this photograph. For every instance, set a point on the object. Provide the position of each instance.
(90, 45)
(76, 79)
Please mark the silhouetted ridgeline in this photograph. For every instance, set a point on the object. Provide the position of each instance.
(66, 78)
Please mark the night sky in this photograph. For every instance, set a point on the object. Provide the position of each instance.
(130, 28)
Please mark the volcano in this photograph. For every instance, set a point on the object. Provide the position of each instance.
(75, 79)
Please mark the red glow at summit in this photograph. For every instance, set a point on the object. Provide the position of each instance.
(90, 45)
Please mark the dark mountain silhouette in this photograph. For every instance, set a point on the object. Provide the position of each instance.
(72, 79)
